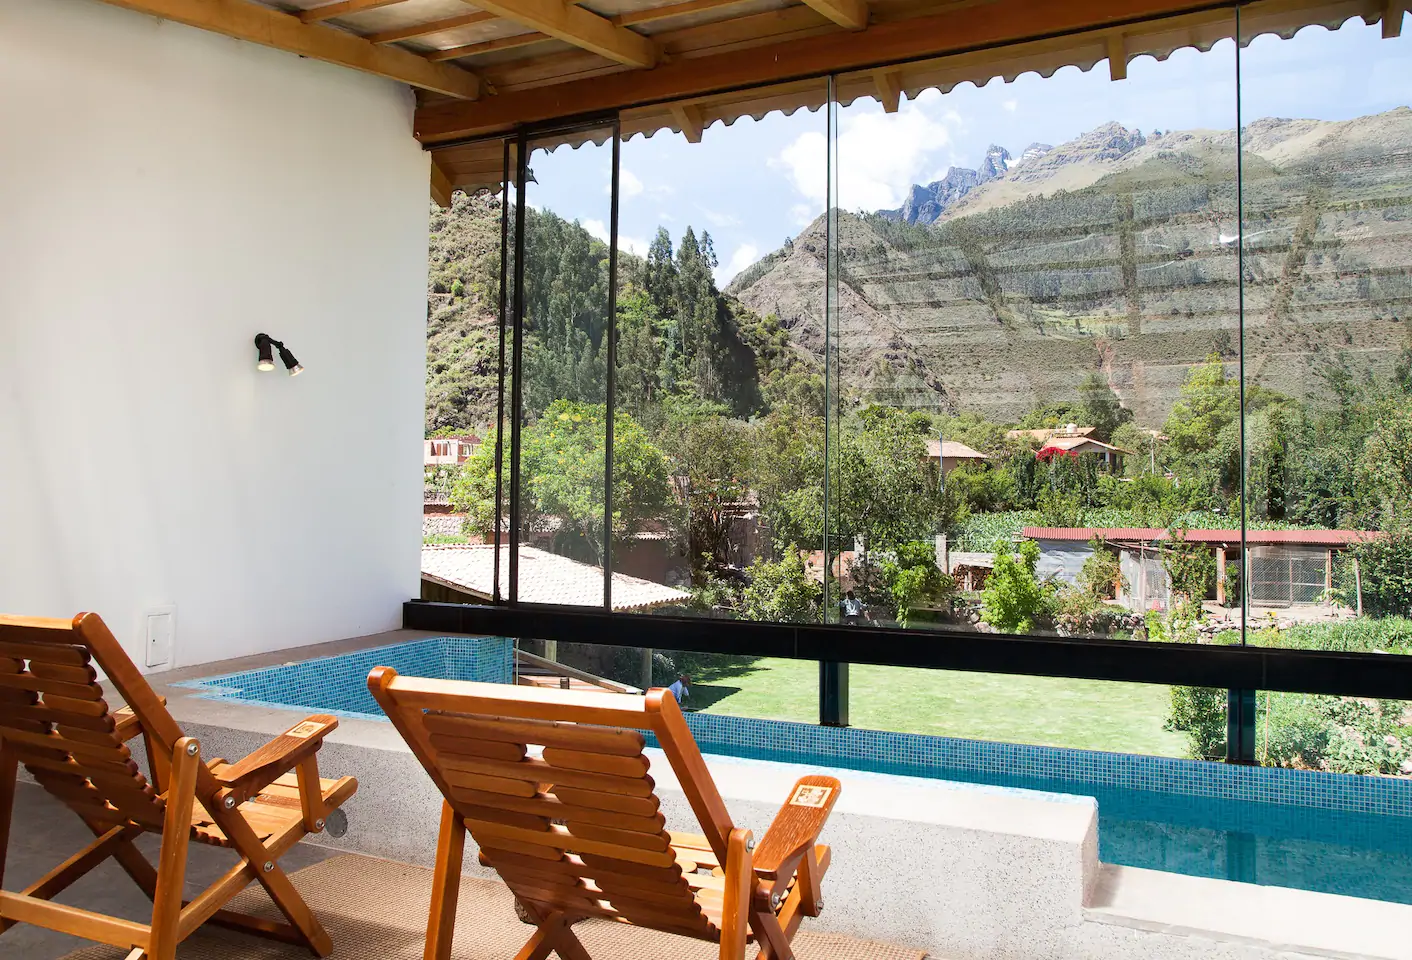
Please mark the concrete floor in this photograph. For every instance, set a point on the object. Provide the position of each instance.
(44, 832)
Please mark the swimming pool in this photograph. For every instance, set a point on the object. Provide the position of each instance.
(1313, 831)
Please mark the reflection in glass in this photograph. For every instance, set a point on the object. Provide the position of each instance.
(1327, 265)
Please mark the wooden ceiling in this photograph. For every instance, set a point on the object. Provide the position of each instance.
(483, 69)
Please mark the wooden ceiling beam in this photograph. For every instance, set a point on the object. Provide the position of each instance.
(849, 14)
(1117, 57)
(888, 84)
(674, 10)
(330, 10)
(1392, 18)
(580, 27)
(433, 26)
(441, 188)
(486, 46)
(244, 20)
(970, 27)
(688, 117)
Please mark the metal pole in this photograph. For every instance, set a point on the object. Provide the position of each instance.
(611, 334)
(517, 364)
(495, 594)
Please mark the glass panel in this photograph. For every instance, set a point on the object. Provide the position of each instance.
(1327, 248)
(562, 388)
(1033, 290)
(464, 295)
(718, 439)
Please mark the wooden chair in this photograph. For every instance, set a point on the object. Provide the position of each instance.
(578, 833)
(53, 719)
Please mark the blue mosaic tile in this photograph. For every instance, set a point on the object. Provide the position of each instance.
(339, 685)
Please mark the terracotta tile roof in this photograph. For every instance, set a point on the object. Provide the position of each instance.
(1327, 538)
(544, 578)
(954, 449)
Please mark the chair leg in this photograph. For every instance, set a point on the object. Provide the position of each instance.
(9, 774)
(569, 947)
(735, 912)
(275, 881)
(176, 838)
(541, 944)
(446, 884)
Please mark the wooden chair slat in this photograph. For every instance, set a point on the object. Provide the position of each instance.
(496, 847)
(467, 747)
(97, 749)
(537, 771)
(561, 839)
(597, 762)
(65, 672)
(508, 817)
(544, 733)
(77, 707)
(616, 803)
(624, 838)
(484, 784)
(22, 645)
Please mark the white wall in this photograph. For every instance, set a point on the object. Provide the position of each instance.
(166, 194)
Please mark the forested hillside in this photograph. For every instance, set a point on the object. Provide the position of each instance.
(680, 341)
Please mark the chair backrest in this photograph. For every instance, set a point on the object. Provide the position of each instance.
(555, 790)
(54, 720)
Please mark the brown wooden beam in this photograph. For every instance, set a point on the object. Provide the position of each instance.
(271, 28)
(955, 31)
(441, 187)
(330, 10)
(1392, 18)
(434, 26)
(850, 14)
(888, 84)
(688, 117)
(673, 10)
(580, 27)
(1117, 57)
(486, 46)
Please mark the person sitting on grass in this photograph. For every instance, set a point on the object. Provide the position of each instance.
(681, 689)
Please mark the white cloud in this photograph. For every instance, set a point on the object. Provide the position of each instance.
(880, 156)
(805, 213)
(719, 220)
(628, 183)
(744, 256)
(634, 245)
(1011, 105)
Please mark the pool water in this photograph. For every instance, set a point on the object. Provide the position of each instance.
(1310, 847)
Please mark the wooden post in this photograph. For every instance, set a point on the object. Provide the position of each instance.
(1221, 574)
(1358, 586)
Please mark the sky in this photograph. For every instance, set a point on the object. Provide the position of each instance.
(755, 183)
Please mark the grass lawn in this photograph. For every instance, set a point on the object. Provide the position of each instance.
(1090, 714)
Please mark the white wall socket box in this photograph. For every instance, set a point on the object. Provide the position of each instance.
(159, 635)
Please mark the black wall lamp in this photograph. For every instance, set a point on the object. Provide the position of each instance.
(266, 346)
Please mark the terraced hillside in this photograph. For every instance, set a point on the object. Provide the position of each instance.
(1121, 253)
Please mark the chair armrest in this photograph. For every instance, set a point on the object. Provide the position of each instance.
(796, 827)
(262, 767)
(128, 725)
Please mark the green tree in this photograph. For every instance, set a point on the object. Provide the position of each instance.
(1014, 600)
(781, 591)
(887, 490)
(561, 467)
(1100, 408)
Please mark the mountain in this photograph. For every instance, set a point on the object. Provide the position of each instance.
(927, 204)
(1117, 252)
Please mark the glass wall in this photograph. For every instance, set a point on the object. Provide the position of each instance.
(1117, 353)
(1327, 262)
(1029, 275)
